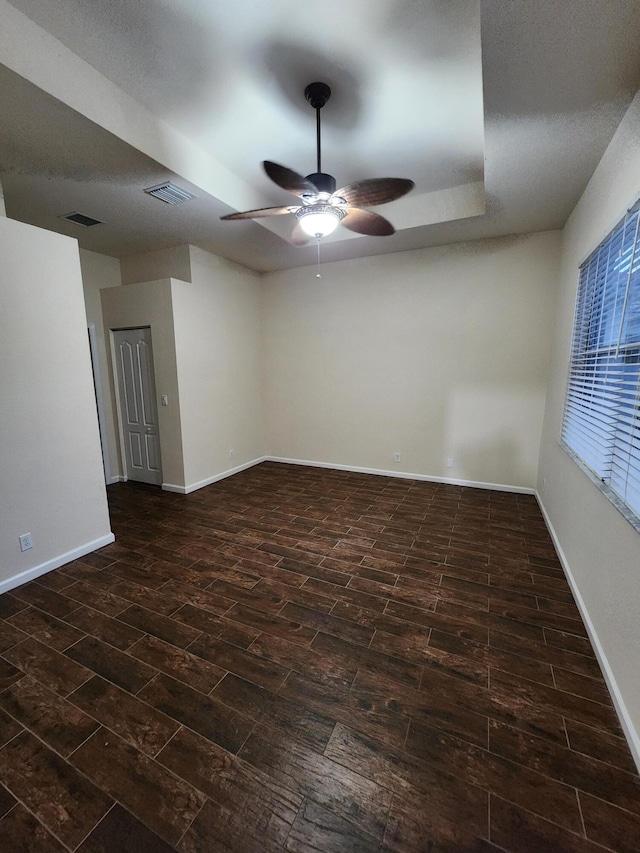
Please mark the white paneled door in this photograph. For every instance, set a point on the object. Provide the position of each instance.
(138, 410)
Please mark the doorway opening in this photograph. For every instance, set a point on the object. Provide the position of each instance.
(97, 387)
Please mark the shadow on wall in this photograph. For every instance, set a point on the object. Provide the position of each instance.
(494, 433)
(496, 461)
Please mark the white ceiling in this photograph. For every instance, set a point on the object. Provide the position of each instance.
(498, 110)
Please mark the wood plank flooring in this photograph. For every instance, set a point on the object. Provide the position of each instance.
(309, 660)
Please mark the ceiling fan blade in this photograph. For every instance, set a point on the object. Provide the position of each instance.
(374, 191)
(298, 236)
(366, 222)
(289, 180)
(262, 211)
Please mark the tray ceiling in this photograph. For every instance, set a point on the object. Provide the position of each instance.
(498, 111)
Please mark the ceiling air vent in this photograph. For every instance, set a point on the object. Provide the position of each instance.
(81, 219)
(169, 193)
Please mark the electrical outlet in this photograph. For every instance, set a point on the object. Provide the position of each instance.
(26, 541)
(164, 399)
(232, 453)
(397, 456)
(450, 462)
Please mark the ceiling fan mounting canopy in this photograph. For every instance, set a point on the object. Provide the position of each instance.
(317, 94)
(323, 207)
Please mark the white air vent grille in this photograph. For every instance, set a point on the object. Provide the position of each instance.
(169, 193)
(81, 219)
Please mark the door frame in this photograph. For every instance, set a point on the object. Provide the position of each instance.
(97, 384)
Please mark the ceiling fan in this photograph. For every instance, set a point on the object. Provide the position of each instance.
(322, 207)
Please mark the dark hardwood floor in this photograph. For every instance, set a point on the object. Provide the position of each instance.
(309, 660)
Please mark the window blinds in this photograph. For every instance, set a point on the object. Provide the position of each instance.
(601, 422)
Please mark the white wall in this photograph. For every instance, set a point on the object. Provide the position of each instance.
(218, 335)
(99, 271)
(149, 304)
(601, 549)
(207, 349)
(434, 353)
(51, 476)
(151, 266)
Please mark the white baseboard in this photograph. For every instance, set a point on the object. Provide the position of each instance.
(117, 478)
(55, 563)
(631, 734)
(193, 487)
(498, 487)
(407, 475)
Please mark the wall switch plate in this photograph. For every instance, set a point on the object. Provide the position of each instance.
(396, 457)
(26, 541)
(450, 462)
(164, 399)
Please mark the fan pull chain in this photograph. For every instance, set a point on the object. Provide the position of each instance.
(318, 245)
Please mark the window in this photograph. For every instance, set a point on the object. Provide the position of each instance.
(601, 426)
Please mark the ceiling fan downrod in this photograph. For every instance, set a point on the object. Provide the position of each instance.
(317, 94)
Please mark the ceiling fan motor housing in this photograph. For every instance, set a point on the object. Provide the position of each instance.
(325, 183)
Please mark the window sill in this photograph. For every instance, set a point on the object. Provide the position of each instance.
(611, 496)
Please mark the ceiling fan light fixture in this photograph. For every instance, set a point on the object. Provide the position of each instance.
(319, 220)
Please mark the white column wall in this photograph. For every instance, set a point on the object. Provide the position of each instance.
(51, 476)
(218, 338)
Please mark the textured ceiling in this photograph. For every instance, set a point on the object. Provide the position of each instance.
(499, 111)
